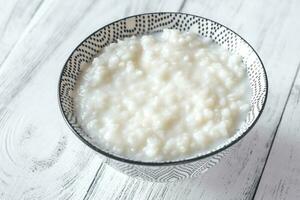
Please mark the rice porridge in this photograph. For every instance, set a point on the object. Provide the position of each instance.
(163, 96)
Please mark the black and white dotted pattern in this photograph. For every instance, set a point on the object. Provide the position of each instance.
(150, 23)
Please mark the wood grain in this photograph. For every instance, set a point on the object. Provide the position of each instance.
(265, 26)
(14, 17)
(281, 179)
(41, 159)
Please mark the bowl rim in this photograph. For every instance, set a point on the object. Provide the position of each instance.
(161, 163)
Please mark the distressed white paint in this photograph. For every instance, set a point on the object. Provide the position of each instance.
(41, 159)
(272, 29)
(39, 156)
(281, 177)
(15, 16)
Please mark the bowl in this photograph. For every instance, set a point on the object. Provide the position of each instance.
(163, 171)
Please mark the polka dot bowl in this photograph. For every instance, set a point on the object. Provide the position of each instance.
(150, 23)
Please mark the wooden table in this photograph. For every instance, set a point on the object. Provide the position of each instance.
(40, 158)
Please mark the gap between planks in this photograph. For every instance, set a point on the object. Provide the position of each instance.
(94, 181)
(276, 130)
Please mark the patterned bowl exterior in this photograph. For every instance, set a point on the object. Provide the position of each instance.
(149, 23)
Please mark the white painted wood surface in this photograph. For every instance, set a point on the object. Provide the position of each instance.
(41, 159)
(15, 16)
(281, 177)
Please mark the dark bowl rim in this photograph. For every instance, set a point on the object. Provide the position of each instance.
(162, 163)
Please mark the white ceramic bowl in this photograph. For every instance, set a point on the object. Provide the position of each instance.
(150, 23)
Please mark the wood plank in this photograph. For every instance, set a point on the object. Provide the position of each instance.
(39, 156)
(272, 28)
(281, 177)
(14, 17)
(62, 167)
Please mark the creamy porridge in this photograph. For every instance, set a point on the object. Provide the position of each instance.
(163, 96)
